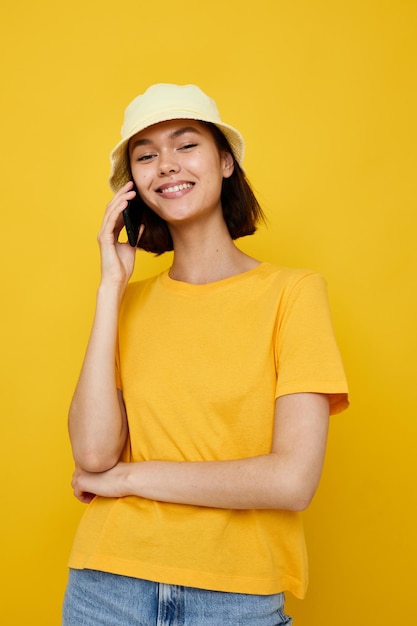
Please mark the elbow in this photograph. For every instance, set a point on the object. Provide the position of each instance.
(95, 451)
(95, 455)
(296, 496)
(93, 461)
(294, 486)
(301, 500)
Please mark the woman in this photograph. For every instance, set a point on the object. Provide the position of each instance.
(199, 421)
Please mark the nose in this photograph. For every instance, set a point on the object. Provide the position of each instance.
(165, 169)
(168, 165)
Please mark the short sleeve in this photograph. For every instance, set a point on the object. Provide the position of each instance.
(307, 355)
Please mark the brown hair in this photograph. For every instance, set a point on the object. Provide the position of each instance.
(241, 210)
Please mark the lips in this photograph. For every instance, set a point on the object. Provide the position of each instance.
(171, 188)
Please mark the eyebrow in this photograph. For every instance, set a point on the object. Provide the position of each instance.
(173, 135)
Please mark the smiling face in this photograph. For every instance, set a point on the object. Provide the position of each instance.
(178, 169)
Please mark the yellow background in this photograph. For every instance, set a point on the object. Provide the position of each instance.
(325, 95)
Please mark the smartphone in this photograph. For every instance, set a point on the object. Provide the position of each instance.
(132, 217)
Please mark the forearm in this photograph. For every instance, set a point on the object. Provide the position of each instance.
(286, 478)
(97, 425)
(262, 482)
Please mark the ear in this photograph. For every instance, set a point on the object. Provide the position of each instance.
(228, 164)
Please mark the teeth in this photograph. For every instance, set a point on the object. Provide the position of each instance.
(176, 188)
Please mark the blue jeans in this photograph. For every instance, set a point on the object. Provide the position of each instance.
(100, 599)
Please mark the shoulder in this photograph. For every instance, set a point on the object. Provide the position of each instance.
(138, 290)
(292, 292)
(137, 286)
(288, 279)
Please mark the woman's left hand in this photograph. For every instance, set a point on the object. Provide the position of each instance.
(110, 484)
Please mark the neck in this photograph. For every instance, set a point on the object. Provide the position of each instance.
(209, 258)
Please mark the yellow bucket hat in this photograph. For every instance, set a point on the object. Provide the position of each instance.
(161, 103)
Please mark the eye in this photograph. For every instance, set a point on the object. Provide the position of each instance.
(188, 146)
(144, 158)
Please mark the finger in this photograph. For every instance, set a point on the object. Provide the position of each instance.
(87, 497)
(113, 220)
(84, 496)
(125, 193)
(79, 493)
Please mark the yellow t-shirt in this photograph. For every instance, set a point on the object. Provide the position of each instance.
(200, 367)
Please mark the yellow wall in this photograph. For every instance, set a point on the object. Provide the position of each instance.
(325, 94)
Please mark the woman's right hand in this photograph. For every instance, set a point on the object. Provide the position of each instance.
(117, 258)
